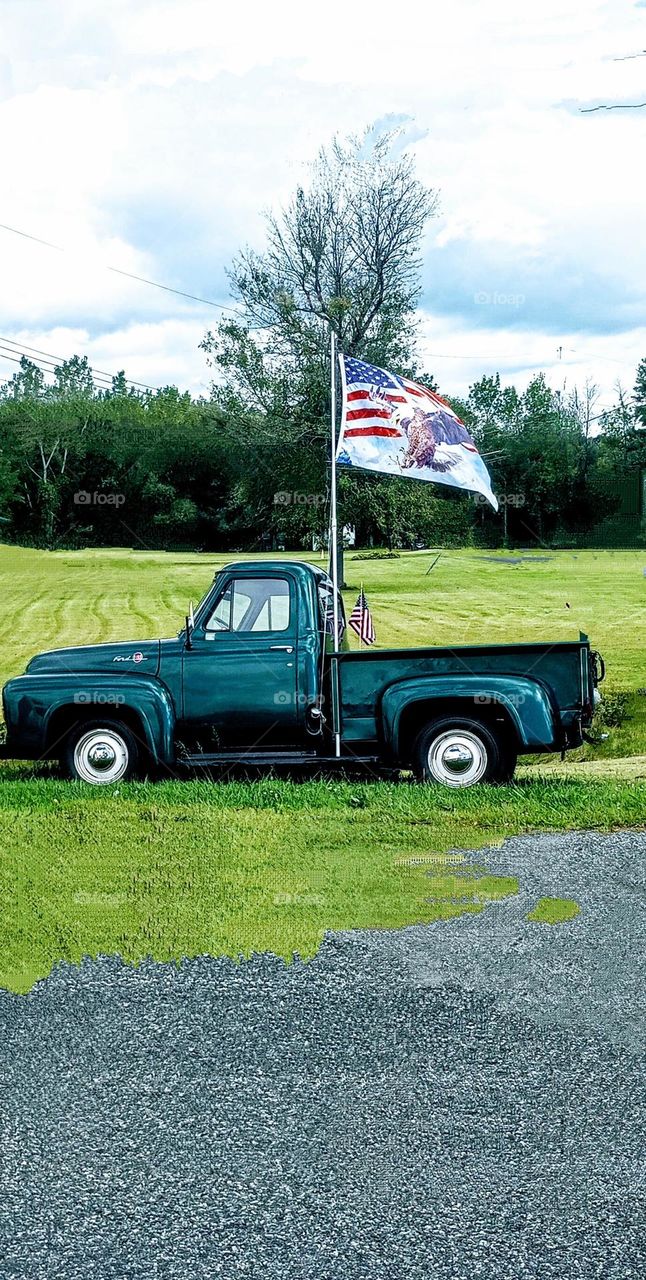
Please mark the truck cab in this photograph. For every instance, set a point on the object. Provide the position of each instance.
(251, 670)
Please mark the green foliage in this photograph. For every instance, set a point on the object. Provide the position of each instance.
(554, 910)
(207, 473)
(376, 555)
(541, 456)
(185, 473)
(85, 467)
(614, 709)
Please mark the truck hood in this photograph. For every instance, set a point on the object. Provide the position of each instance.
(119, 658)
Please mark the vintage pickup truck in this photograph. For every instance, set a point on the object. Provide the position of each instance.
(252, 678)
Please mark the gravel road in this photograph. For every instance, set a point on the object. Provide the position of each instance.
(464, 1099)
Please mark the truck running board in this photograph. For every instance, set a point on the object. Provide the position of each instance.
(264, 759)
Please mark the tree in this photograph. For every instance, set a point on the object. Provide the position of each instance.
(640, 394)
(621, 449)
(120, 386)
(29, 384)
(539, 450)
(73, 378)
(342, 257)
(50, 427)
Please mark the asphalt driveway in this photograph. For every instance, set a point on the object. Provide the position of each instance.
(456, 1100)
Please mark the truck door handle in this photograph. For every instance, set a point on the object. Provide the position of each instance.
(281, 648)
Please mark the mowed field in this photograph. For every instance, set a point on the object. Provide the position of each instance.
(468, 597)
(184, 868)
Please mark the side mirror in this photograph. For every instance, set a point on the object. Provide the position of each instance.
(189, 623)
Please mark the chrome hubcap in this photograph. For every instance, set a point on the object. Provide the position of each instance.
(101, 756)
(457, 758)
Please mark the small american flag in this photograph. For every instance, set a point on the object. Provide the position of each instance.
(361, 621)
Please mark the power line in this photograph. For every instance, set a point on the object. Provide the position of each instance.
(13, 358)
(45, 367)
(24, 347)
(154, 284)
(180, 292)
(26, 236)
(14, 353)
(434, 355)
(101, 382)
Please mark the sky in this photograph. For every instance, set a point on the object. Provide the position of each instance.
(152, 138)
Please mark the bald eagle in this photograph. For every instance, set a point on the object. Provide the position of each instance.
(424, 431)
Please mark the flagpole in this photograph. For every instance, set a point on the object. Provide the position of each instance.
(334, 550)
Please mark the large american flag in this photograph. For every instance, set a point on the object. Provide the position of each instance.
(361, 621)
(366, 416)
(394, 425)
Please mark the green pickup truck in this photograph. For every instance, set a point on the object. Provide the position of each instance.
(253, 678)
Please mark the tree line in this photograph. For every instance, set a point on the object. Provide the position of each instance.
(248, 467)
(81, 466)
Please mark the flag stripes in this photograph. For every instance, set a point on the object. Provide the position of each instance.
(361, 620)
(399, 427)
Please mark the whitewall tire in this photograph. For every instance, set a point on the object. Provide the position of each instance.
(458, 753)
(101, 753)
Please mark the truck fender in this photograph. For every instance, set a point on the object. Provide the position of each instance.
(43, 700)
(526, 702)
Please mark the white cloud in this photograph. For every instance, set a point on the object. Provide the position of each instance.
(151, 137)
(458, 357)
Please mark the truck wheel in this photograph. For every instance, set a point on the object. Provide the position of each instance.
(508, 762)
(457, 753)
(101, 752)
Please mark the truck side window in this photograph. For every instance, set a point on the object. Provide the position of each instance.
(252, 604)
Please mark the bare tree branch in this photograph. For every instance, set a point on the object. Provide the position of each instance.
(614, 106)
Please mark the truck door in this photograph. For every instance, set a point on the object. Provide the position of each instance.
(240, 677)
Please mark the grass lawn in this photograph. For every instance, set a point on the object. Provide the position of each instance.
(182, 869)
(178, 869)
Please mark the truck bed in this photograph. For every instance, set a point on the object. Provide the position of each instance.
(364, 676)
